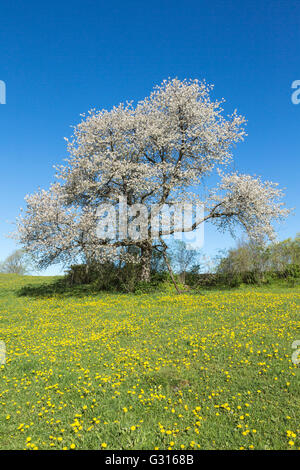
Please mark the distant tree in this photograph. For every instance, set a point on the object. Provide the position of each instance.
(284, 253)
(182, 258)
(16, 263)
(249, 256)
(246, 256)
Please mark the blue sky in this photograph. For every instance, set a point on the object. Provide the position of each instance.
(61, 58)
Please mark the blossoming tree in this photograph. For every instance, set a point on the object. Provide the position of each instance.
(162, 150)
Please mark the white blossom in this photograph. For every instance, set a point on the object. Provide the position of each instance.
(162, 150)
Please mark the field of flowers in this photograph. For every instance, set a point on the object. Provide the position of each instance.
(163, 371)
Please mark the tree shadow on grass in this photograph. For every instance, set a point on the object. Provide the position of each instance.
(55, 289)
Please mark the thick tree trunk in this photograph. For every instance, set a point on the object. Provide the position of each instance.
(146, 262)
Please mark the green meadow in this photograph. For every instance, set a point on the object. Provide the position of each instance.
(87, 370)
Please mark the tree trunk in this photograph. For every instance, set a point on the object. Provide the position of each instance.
(171, 273)
(146, 262)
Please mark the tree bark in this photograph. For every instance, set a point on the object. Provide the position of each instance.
(146, 262)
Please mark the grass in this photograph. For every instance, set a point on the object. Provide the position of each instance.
(161, 371)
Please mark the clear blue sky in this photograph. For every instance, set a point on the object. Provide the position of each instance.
(61, 58)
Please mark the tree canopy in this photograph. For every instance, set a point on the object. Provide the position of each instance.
(161, 150)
